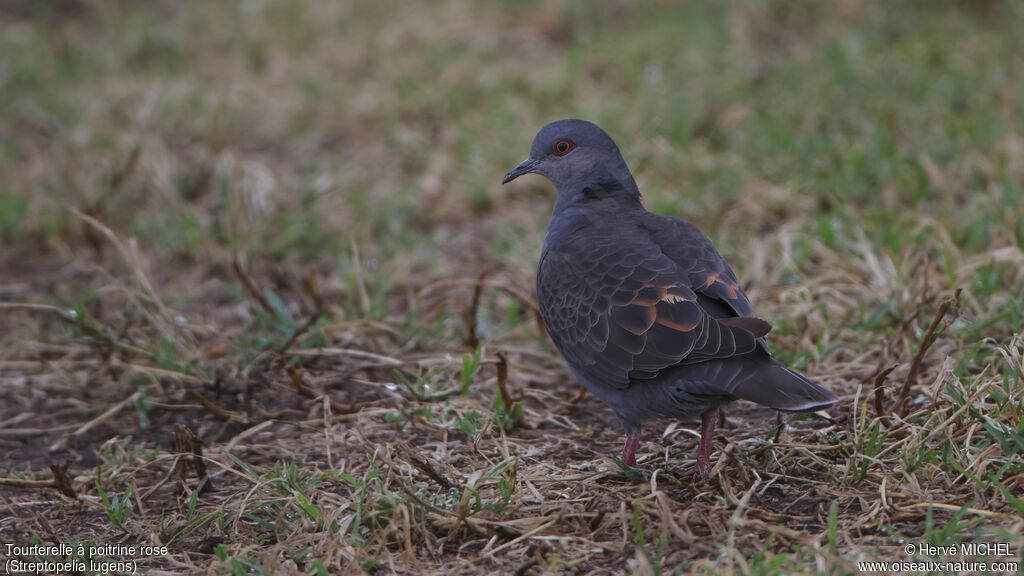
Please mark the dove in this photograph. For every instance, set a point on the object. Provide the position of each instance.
(646, 313)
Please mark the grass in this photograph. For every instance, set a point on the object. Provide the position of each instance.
(277, 228)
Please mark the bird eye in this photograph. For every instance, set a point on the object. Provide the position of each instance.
(562, 147)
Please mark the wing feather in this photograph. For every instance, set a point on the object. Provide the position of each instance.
(623, 309)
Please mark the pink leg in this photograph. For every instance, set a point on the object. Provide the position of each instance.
(628, 451)
(708, 419)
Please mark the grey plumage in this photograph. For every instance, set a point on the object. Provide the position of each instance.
(644, 310)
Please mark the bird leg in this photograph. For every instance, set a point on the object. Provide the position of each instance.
(708, 419)
(628, 455)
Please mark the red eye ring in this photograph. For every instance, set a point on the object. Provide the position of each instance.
(562, 146)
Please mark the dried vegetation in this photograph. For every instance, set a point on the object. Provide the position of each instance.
(262, 299)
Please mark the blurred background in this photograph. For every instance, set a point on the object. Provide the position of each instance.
(291, 129)
(189, 189)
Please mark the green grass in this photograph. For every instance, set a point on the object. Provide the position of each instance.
(302, 199)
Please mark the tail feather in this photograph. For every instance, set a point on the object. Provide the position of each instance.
(698, 387)
(778, 387)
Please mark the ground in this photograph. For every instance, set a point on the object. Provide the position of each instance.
(264, 302)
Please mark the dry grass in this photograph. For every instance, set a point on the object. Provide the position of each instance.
(261, 291)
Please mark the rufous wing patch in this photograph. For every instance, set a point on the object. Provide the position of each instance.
(682, 316)
(676, 293)
(731, 288)
(675, 325)
(662, 304)
(651, 294)
(635, 318)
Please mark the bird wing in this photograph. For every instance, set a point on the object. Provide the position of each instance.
(620, 309)
(754, 377)
(712, 278)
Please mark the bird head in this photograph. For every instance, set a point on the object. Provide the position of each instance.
(575, 154)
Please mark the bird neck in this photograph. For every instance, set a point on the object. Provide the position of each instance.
(621, 193)
(579, 207)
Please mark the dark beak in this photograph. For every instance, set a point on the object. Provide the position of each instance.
(525, 167)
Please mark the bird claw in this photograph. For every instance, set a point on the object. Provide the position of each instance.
(703, 465)
(631, 464)
(704, 471)
(636, 472)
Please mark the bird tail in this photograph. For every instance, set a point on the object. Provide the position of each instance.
(778, 387)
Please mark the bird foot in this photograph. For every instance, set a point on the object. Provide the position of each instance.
(627, 457)
(635, 465)
(702, 468)
(631, 463)
(628, 454)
